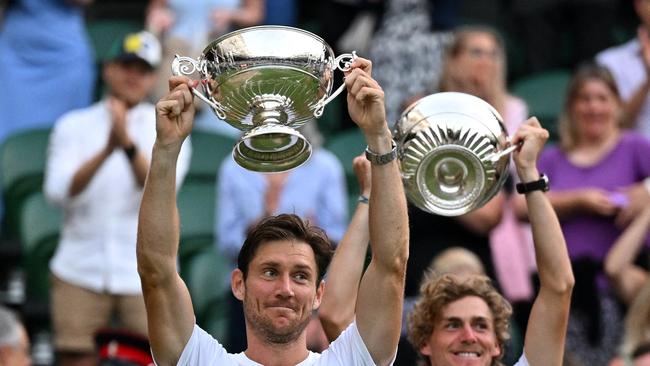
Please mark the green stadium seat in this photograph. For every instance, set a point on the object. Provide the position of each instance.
(40, 224)
(208, 151)
(206, 277)
(544, 93)
(22, 163)
(104, 32)
(196, 207)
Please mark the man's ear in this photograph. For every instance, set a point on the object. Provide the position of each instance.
(320, 290)
(425, 349)
(237, 284)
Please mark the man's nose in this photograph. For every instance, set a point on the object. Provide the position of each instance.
(284, 286)
(468, 335)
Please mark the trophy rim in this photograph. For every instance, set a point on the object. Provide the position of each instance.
(266, 27)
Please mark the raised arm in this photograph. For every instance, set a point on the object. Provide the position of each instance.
(546, 332)
(379, 304)
(169, 307)
(633, 106)
(337, 308)
(619, 263)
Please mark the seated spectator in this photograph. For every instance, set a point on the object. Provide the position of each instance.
(97, 162)
(14, 342)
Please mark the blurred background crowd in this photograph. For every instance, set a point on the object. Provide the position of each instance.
(77, 79)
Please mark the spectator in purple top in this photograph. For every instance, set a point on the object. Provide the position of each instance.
(597, 173)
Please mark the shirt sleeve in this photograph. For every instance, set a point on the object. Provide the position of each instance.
(63, 160)
(348, 350)
(522, 361)
(202, 349)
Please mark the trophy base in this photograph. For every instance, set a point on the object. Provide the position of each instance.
(272, 148)
(452, 179)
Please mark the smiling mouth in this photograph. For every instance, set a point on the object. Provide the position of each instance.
(467, 354)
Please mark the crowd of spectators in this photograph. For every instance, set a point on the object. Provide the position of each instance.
(98, 153)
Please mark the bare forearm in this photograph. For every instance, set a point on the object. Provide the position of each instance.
(550, 247)
(158, 226)
(632, 108)
(546, 332)
(339, 302)
(87, 171)
(388, 214)
(626, 248)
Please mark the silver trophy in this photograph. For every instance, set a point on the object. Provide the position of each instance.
(267, 81)
(453, 152)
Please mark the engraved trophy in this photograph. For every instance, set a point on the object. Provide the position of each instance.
(453, 152)
(267, 81)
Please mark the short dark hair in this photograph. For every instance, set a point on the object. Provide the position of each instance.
(286, 227)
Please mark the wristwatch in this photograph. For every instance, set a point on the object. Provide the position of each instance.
(382, 159)
(537, 185)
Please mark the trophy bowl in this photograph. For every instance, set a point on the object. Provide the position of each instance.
(453, 152)
(267, 81)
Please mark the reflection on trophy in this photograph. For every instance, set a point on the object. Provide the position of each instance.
(453, 152)
(267, 81)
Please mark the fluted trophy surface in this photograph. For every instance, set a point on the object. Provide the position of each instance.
(267, 81)
(451, 152)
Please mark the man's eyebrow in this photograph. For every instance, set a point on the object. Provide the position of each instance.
(270, 263)
(472, 319)
(303, 267)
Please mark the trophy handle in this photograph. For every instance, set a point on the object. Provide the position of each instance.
(187, 66)
(342, 63)
(494, 158)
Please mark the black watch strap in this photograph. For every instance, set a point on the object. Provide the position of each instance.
(537, 185)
